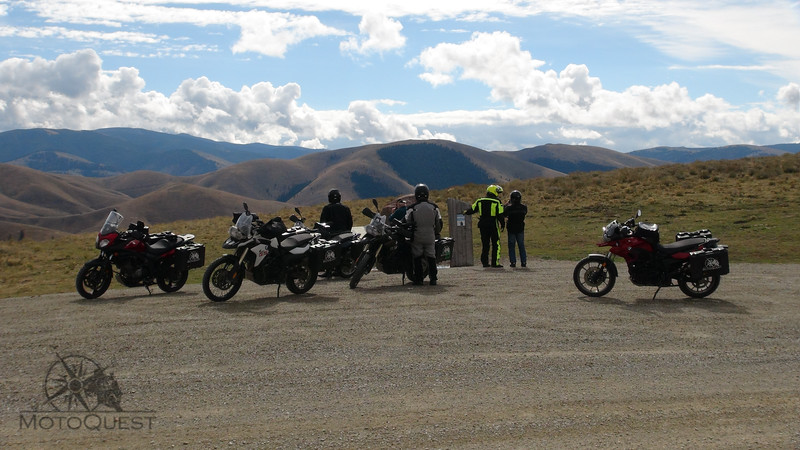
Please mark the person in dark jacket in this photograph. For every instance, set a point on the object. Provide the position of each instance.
(491, 222)
(515, 212)
(335, 214)
(426, 222)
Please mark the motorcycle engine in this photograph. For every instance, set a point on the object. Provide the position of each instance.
(131, 273)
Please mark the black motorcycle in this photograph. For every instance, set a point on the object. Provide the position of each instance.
(387, 247)
(140, 258)
(264, 253)
(335, 251)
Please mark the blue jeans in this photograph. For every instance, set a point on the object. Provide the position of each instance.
(518, 239)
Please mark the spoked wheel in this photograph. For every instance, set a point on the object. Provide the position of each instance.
(170, 279)
(363, 266)
(222, 279)
(593, 276)
(700, 288)
(301, 278)
(94, 278)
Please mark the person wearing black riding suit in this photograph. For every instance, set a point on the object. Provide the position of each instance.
(515, 212)
(491, 222)
(335, 214)
(426, 222)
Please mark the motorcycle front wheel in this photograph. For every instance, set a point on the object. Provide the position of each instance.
(700, 288)
(363, 266)
(94, 278)
(169, 278)
(592, 276)
(222, 279)
(301, 278)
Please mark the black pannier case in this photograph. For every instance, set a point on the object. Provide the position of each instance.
(710, 261)
(194, 255)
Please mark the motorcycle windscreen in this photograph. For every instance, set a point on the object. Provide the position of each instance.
(112, 222)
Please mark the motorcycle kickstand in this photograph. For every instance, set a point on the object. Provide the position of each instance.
(654, 295)
(278, 294)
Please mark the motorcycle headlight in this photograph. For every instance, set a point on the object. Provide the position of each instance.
(102, 243)
(235, 233)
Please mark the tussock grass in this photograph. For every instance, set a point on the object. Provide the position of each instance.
(752, 204)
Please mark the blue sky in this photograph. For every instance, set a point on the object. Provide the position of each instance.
(501, 75)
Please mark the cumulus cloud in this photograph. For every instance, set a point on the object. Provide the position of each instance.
(790, 95)
(570, 101)
(378, 34)
(74, 91)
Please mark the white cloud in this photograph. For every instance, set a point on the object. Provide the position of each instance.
(378, 34)
(271, 33)
(790, 95)
(75, 92)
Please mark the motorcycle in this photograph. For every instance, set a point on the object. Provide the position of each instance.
(336, 251)
(387, 247)
(264, 253)
(140, 258)
(695, 262)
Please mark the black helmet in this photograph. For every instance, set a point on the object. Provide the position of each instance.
(516, 196)
(421, 192)
(334, 196)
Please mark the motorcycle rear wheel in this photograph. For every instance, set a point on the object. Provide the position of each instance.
(363, 266)
(93, 279)
(301, 278)
(170, 279)
(592, 276)
(347, 266)
(700, 288)
(222, 279)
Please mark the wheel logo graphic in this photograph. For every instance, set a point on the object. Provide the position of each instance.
(78, 383)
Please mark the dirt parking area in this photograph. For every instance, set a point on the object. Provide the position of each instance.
(489, 358)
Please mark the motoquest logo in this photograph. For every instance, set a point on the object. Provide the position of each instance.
(712, 263)
(79, 394)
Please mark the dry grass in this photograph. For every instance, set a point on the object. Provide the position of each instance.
(751, 204)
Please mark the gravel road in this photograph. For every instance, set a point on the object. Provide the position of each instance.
(489, 358)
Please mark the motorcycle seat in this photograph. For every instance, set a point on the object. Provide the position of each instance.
(342, 236)
(296, 240)
(681, 246)
(164, 245)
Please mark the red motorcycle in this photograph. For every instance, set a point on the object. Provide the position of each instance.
(141, 259)
(694, 262)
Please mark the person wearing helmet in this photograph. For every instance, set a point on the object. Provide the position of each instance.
(491, 221)
(426, 222)
(515, 212)
(335, 214)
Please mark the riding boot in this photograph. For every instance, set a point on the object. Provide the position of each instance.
(432, 271)
(418, 275)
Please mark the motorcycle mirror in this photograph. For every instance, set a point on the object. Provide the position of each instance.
(294, 218)
(375, 202)
(638, 213)
(297, 210)
(246, 210)
(368, 212)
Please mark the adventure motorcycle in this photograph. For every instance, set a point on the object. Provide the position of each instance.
(695, 261)
(387, 247)
(140, 258)
(265, 253)
(336, 252)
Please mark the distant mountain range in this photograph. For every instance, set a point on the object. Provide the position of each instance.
(51, 183)
(114, 151)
